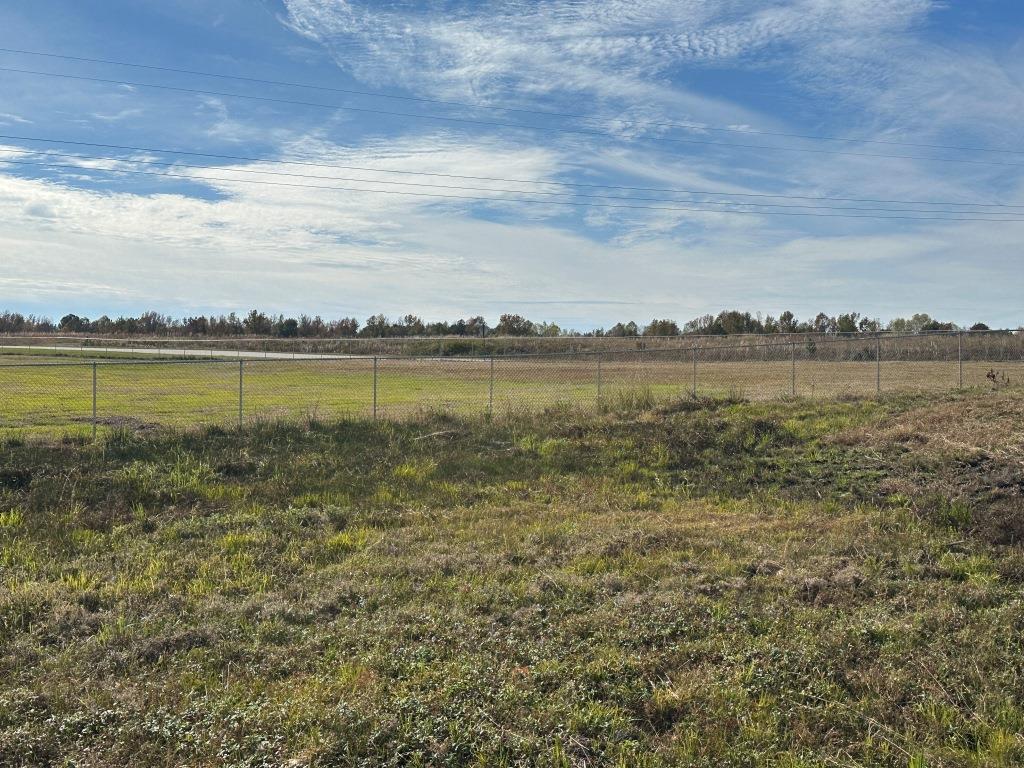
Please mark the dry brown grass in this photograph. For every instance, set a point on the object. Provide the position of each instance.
(991, 425)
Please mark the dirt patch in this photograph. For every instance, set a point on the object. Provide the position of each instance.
(992, 424)
(186, 640)
(15, 479)
(121, 422)
(959, 461)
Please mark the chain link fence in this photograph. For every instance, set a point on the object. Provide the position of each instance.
(86, 396)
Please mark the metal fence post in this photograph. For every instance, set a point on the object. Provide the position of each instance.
(792, 372)
(94, 424)
(490, 391)
(375, 388)
(599, 380)
(878, 365)
(241, 385)
(694, 349)
(960, 358)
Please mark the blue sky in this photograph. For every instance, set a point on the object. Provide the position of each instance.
(897, 71)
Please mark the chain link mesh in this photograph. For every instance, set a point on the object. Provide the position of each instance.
(274, 390)
(40, 394)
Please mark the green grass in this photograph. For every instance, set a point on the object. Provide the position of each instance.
(58, 399)
(709, 583)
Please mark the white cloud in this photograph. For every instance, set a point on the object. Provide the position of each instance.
(114, 117)
(508, 53)
(481, 48)
(340, 253)
(6, 118)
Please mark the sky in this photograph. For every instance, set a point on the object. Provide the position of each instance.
(577, 161)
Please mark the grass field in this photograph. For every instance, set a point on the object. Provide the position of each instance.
(704, 583)
(39, 393)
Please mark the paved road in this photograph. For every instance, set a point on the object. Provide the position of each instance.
(162, 352)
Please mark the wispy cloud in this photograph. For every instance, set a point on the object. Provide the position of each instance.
(7, 118)
(114, 117)
(610, 48)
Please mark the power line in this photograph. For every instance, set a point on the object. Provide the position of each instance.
(250, 159)
(458, 188)
(495, 124)
(195, 179)
(478, 106)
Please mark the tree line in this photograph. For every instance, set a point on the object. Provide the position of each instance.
(257, 323)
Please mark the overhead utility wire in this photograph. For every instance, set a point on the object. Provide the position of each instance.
(495, 124)
(458, 188)
(248, 159)
(480, 106)
(520, 200)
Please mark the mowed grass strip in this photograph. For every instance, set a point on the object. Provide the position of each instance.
(706, 583)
